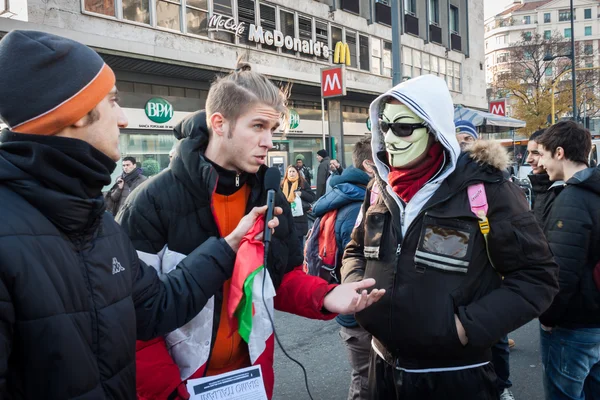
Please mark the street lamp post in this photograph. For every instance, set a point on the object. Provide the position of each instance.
(573, 62)
(396, 61)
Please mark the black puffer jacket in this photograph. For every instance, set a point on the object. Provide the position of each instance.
(544, 193)
(573, 231)
(73, 294)
(441, 268)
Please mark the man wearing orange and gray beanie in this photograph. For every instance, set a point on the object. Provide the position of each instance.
(73, 294)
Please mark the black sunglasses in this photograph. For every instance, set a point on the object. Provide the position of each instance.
(399, 129)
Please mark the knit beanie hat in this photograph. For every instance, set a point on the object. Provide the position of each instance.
(463, 126)
(299, 157)
(49, 82)
(323, 153)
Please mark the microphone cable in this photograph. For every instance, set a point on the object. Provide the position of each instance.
(266, 271)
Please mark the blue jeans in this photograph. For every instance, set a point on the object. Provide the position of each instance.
(500, 359)
(571, 363)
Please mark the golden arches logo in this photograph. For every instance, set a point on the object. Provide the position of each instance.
(341, 55)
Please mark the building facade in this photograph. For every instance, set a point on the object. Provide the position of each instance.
(548, 18)
(165, 54)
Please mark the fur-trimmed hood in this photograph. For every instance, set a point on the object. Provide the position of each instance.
(489, 153)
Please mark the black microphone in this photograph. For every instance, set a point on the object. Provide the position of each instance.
(272, 180)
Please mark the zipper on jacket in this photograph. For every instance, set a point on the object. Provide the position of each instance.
(398, 249)
(237, 180)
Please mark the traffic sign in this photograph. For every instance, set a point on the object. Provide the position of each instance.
(498, 107)
(333, 81)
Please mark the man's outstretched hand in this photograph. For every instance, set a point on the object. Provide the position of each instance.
(350, 298)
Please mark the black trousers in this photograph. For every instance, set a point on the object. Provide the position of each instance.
(388, 383)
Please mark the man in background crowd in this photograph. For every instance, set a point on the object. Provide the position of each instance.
(322, 172)
(130, 179)
(303, 169)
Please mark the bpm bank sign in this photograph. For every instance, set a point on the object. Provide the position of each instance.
(275, 38)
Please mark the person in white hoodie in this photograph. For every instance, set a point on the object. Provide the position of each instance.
(453, 243)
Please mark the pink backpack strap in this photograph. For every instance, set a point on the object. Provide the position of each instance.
(375, 191)
(479, 206)
(478, 200)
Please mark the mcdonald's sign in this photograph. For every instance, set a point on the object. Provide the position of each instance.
(341, 55)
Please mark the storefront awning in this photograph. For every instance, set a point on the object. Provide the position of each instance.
(483, 119)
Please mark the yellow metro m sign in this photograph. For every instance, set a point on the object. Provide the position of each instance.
(341, 55)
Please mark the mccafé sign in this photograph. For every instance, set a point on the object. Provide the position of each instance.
(271, 38)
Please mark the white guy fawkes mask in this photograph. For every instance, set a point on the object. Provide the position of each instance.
(404, 140)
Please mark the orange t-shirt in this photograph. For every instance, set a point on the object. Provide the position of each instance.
(229, 352)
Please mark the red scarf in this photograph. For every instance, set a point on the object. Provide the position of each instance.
(407, 182)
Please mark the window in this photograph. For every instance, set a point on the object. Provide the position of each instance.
(321, 33)
(528, 55)
(167, 14)
(387, 58)
(587, 13)
(547, 35)
(246, 14)
(548, 71)
(454, 20)
(589, 65)
(547, 18)
(588, 49)
(375, 56)
(223, 7)
(196, 15)
(267, 21)
(336, 36)
(305, 32)
(527, 20)
(286, 20)
(457, 77)
(363, 45)
(588, 31)
(410, 6)
(434, 12)
(567, 32)
(564, 15)
(104, 7)
(136, 10)
(502, 58)
(527, 35)
(351, 42)
(501, 39)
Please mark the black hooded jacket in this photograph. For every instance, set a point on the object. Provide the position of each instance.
(440, 268)
(73, 294)
(573, 231)
(544, 193)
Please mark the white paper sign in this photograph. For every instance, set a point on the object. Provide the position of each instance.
(241, 384)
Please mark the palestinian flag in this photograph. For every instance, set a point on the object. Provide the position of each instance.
(246, 308)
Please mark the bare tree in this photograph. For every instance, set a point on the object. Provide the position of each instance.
(527, 78)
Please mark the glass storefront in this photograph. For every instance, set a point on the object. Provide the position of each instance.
(151, 151)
